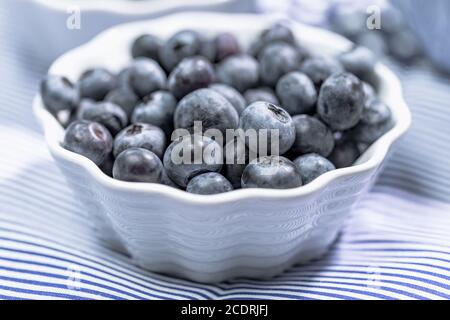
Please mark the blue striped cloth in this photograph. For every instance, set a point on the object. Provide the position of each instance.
(395, 246)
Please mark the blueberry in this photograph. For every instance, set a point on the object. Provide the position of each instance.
(211, 108)
(312, 136)
(345, 153)
(297, 93)
(123, 78)
(347, 22)
(341, 101)
(240, 71)
(146, 76)
(404, 46)
(124, 97)
(96, 83)
(373, 40)
(226, 45)
(108, 114)
(190, 74)
(276, 33)
(157, 109)
(59, 94)
(191, 155)
(360, 61)
(209, 183)
(138, 165)
(376, 121)
(231, 94)
(236, 157)
(265, 94)
(312, 166)
(271, 172)
(277, 59)
(263, 115)
(183, 44)
(147, 46)
(90, 139)
(318, 69)
(141, 135)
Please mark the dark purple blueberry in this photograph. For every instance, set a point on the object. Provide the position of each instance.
(297, 93)
(190, 74)
(312, 136)
(138, 165)
(146, 76)
(146, 45)
(226, 45)
(311, 166)
(240, 71)
(277, 59)
(236, 158)
(271, 172)
(212, 109)
(59, 94)
(209, 183)
(96, 83)
(341, 101)
(345, 153)
(141, 135)
(278, 32)
(157, 109)
(360, 61)
(89, 139)
(183, 44)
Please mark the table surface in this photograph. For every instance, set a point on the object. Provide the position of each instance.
(395, 246)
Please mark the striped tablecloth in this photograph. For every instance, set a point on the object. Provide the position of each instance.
(395, 246)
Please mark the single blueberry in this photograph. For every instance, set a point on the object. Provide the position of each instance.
(190, 74)
(236, 156)
(209, 107)
(156, 109)
(59, 94)
(312, 136)
(141, 135)
(240, 71)
(263, 115)
(146, 45)
(297, 93)
(376, 121)
(312, 165)
(90, 139)
(138, 165)
(347, 22)
(108, 114)
(345, 153)
(277, 59)
(265, 94)
(319, 68)
(341, 101)
(209, 183)
(231, 94)
(146, 76)
(226, 45)
(183, 44)
(124, 97)
(271, 172)
(191, 155)
(278, 32)
(96, 83)
(373, 40)
(360, 61)
(123, 78)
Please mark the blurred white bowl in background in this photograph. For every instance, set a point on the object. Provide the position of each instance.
(45, 22)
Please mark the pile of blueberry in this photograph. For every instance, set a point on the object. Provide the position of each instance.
(324, 109)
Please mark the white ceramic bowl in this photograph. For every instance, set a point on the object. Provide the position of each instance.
(253, 233)
(47, 34)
